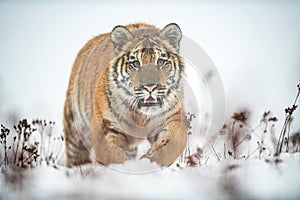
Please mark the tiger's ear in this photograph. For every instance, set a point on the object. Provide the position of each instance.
(119, 37)
(172, 34)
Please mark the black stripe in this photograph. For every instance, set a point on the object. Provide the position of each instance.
(156, 137)
(116, 74)
(120, 66)
(116, 132)
(68, 116)
(144, 50)
(71, 142)
(108, 94)
(67, 129)
(168, 54)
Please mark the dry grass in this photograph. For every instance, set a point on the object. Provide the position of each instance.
(284, 138)
(239, 140)
(30, 144)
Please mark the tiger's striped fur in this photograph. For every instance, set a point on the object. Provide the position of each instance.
(126, 86)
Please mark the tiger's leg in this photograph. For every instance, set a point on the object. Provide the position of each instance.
(126, 143)
(169, 144)
(76, 152)
(107, 149)
(109, 146)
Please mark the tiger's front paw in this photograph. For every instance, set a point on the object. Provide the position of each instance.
(155, 147)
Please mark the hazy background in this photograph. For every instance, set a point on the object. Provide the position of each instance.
(255, 46)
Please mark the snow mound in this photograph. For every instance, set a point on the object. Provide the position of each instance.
(277, 178)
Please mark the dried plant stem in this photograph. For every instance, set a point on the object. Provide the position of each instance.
(284, 130)
(214, 150)
(286, 126)
(42, 151)
(59, 152)
(16, 150)
(26, 153)
(233, 140)
(29, 157)
(241, 141)
(5, 152)
(225, 151)
(250, 154)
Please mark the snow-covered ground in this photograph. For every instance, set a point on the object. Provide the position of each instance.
(218, 172)
(231, 179)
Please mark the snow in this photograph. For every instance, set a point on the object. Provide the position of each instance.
(255, 179)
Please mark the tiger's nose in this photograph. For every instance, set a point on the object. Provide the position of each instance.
(150, 87)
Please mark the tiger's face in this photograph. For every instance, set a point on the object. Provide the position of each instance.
(148, 70)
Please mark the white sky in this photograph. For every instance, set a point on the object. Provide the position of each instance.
(255, 47)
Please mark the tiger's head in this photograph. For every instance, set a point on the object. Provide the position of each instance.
(147, 70)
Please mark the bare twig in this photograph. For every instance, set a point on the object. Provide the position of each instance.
(288, 118)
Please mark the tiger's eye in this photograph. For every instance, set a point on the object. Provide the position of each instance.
(160, 62)
(136, 64)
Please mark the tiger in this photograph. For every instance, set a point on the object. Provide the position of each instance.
(127, 86)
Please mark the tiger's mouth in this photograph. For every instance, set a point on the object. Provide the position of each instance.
(149, 102)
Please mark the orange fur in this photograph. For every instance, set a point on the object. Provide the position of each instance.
(91, 122)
